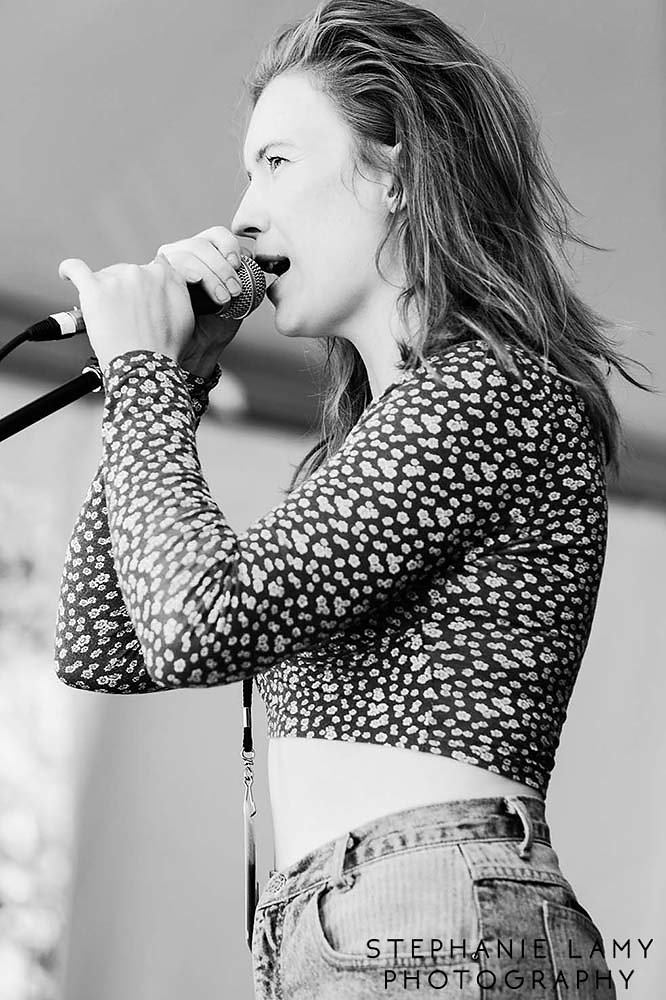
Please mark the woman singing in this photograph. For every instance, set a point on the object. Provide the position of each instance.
(416, 610)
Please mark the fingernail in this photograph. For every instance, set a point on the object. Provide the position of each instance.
(234, 286)
(234, 260)
(222, 294)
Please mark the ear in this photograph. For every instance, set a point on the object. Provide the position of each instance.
(395, 195)
(395, 152)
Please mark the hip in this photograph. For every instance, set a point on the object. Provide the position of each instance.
(466, 896)
(319, 787)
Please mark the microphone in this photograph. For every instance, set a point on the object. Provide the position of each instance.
(59, 326)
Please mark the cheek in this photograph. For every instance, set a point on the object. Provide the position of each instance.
(342, 244)
(334, 237)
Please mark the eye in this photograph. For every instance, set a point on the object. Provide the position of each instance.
(271, 160)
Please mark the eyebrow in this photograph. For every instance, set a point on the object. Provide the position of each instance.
(264, 149)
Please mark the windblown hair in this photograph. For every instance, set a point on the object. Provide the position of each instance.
(482, 215)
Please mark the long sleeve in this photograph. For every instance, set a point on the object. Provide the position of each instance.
(95, 644)
(420, 479)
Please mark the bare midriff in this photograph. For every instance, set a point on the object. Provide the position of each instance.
(321, 788)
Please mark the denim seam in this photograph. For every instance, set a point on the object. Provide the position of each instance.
(548, 931)
(444, 843)
(567, 912)
(279, 927)
(539, 826)
(521, 874)
(540, 832)
(283, 900)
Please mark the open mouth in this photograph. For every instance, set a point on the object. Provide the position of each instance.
(273, 265)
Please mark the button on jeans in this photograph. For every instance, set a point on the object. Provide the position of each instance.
(461, 899)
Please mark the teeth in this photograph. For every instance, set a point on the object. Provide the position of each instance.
(273, 265)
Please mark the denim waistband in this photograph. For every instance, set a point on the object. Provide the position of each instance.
(488, 818)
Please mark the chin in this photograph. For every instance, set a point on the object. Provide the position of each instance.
(290, 329)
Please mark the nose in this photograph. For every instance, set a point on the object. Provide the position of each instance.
(251, 217)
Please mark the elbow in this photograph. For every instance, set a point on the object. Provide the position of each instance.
(67, 667)
(73, 657)
(71, 650)
(73, 672)
(63, 673)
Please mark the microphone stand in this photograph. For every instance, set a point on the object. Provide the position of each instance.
(90, 380)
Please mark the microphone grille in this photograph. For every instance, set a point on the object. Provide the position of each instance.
(253, 283)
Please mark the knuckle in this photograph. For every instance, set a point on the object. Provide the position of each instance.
(223, 239)
(216, 232)
(180, 246)
(186, 266)
(201, 243)
(177, 276)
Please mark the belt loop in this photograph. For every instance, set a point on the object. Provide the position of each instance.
(337, 875)
(514, 805)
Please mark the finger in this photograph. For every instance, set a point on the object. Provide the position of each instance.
(222, 263)
(77, 271)
(161, 261)
(203, 262)
(225, 241)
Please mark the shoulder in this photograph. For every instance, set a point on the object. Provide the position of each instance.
(469, 380)
(460, 410)
(468, 366)
(469, 398)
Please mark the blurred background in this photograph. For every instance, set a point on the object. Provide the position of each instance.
(121, 838)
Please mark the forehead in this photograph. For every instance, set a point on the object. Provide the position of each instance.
(292, 109)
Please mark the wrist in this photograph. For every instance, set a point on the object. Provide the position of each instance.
(203, 379)
(202, 369)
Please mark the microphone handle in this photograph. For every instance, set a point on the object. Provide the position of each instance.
(60, 326)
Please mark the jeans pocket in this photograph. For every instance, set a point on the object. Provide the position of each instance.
(407, 910)
(514, 898)
(576, 952)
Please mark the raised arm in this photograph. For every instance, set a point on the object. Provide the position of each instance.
(95, 644)
(420, 479)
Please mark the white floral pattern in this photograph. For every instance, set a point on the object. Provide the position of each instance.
(431, 586)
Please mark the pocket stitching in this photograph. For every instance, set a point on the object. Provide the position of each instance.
(349, 960)
(541, 876)
(571, 911)
(335, 958)
(549, 911)
(523, 873)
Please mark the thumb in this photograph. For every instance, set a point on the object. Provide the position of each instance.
(75, 270)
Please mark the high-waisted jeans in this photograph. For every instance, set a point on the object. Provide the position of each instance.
(460, 899)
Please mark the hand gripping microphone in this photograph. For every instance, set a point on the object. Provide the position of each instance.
(59, 326)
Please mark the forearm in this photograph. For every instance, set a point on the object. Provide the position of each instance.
(96, 647)
(211, 606)
(159, 508)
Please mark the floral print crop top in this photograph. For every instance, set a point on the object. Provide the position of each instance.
(431, 586)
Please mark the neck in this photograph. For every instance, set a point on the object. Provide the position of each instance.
(376, 336)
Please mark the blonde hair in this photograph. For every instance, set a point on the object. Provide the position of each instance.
(483, 219)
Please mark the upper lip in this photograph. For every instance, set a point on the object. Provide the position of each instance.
(272, 263)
